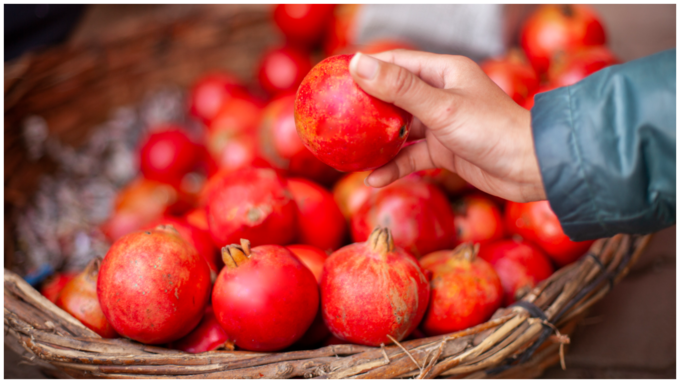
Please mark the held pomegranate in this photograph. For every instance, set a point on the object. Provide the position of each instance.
(557, 29)
(282, 69)
(207, 336)
(153, 286)
(344, 126)
(465, 290)
(253, 203)
(313, 258)
(79, 298)
(373, 290)
(319, 220)
(477, 219)
(167, 155)
(417, 213)
(264, 298)
(536, 222)
(519, 265)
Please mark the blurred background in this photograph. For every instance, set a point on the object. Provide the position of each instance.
(71, 68)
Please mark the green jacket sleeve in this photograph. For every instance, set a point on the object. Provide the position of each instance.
(606, 149)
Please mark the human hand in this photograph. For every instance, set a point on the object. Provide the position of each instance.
(464, 121)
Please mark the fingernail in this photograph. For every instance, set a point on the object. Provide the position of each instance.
(366, 182)
(364, 66)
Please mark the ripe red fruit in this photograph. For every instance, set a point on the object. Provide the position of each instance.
(210, 92)
(313, 258)
(350, 192)
(264, 298)
(536, 222)
(529, 102)
(465, 290)
(570, 69)
(197, 238)
(417, 213)
(79, 298)
(377, 46)
(319, 220)
(341, 28)
(282, 146)
(54, 284)
(207, 336)
(153, 286)
(519, 265)
(238, 115)
(167, 155)
(282, 69)
(253, 203)
(373, 289)
(303, 24)
(559, 29)
(477, 219)
(512, 74)
(232, 151)
(344, 126)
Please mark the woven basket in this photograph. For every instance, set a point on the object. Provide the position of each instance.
(74, 88)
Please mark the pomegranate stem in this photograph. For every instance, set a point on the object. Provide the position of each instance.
(381, 241)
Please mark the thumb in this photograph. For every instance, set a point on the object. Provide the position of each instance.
(397, 85)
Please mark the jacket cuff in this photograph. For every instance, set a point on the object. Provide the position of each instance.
(561, 162)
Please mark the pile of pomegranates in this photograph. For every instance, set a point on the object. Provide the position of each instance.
(246, 234)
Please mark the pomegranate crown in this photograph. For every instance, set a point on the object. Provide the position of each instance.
(381, 241)
(466, 251)
(235, 255)
(167, 228)
(92, 268)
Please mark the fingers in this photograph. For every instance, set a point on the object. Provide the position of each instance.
(395, 84)
(410, 159)
(430, 67)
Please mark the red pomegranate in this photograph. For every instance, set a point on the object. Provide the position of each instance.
(529, 102)
(210, 92)
(519, 265)
(232, 151)
(79, 298)
(264, 298)
(319, 220)
(153, 286)
(199, 239)
(377, 46)
(282, 69)
(341, 29)
(373, 289)
(570, 69)
(557, 29)
(536, 222)
(239, 114)
(313, 258)
(477, 219)
(207, 336)
(281, 145)
(417, 213)
(344, 126)
(512, 74)
(198, 218)
(253, 203)
(53, 285)
(350, 192)
(167, 155)
(303, 24)
(465, 290)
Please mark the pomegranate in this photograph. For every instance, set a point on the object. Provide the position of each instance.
(350, 193)
(282, 69)
(264, 298)
(79, 298)
(253, 203)
(529, 102)
(281, 145)
(536, 222)
(557, 29)
(477, 219)
(570, 69)
(207, 336)
(313, 258)
(519, 265)
(466, 290)
(344, 126)
(417, 212)
(167, 155)
(198, 219)
(341, 31)
(240, 114)
(319, 220)
(153, 286)
(199, 239)
(233, 151)
(210, 92)
(377, 46)
(303, 24)
(373, 289)
(53, 285)
(512, 74)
